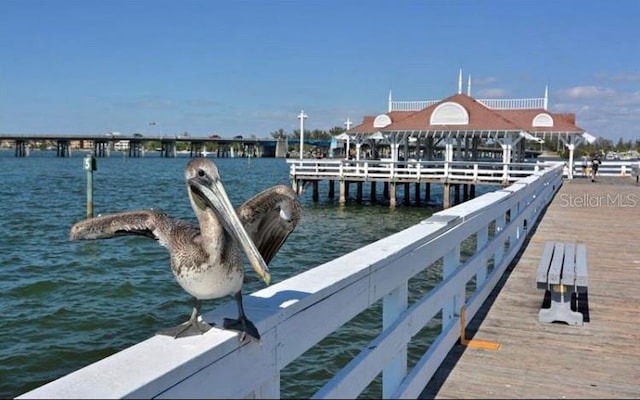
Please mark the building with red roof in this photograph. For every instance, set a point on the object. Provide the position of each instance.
(461, 123)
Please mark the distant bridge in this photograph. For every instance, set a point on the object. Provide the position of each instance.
(101, 144)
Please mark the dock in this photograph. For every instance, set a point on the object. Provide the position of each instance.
(600, 359)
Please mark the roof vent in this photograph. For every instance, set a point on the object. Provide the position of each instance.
(381, 121)
(449, 113)
(542, 119)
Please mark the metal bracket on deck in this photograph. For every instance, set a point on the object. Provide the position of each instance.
(473, 343)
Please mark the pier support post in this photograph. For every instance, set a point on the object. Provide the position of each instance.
(446, 195)
(392, 194)
(64, 148)
(22, 148)
(427, 192)
(343, 189)
(315, 195)
(407, 193)
(456, 193)
(372, 193)
(332, 189)
(359, 192)
(417, 193)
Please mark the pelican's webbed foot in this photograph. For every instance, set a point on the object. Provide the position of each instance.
(244, 326)
(191, 327)
(186, 329)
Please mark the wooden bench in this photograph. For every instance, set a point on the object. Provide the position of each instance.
(562, 272)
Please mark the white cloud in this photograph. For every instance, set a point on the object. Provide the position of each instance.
(602, 111)
(586, 92)
(619, 77)
(492, 93)
(483, 81)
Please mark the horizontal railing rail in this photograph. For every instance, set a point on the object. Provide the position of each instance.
(413, 171)
(514, 104)
(473, 243)
(415, 105)
(606, 168)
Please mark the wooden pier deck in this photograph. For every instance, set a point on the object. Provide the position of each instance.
(600, 359)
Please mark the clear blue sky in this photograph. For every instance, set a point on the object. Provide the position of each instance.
(249, 67)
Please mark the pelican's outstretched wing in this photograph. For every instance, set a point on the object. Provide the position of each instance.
(269, 217)
(152, 224)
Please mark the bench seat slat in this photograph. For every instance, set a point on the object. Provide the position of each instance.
(543, 265)
(555, 270)
(569, 266)
(582, 279)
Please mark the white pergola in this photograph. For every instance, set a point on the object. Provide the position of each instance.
(507, 139)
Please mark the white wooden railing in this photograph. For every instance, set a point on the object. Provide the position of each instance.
(413, 171)
(514, 104)
(296, 314)
(416, 105)
(496, 104)
(607, 168)
(610, 168)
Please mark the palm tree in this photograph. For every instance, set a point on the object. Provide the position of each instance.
(279, 134)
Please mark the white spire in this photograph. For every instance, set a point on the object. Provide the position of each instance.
(389, 105)
(546, 97)
(460, 82)
(469, 86)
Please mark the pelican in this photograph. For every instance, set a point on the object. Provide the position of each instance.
(206, 260)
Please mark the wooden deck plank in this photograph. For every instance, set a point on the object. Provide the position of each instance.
(600, 359)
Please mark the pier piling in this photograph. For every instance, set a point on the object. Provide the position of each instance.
(89, 166)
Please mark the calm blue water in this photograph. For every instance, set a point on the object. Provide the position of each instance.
(67, 304)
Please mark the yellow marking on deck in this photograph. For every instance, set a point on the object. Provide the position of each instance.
(473, 343)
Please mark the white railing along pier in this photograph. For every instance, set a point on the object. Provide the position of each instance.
(296, 314)
(477, 172)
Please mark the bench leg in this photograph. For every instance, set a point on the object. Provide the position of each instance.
(560, 309)
(582, 305)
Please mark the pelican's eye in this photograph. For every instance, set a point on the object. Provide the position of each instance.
(201, 173)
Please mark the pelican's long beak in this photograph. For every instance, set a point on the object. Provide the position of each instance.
(212, 193)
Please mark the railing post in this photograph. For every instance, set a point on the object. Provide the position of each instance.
(505, 174)
(499, 254)
(393, 305)
(515, 231)
(482, 237)
(451, 261)
(269, 390)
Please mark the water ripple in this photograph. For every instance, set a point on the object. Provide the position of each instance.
(64, 305)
